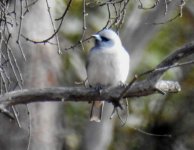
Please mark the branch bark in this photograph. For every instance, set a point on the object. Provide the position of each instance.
(152, 84)
(62, 94)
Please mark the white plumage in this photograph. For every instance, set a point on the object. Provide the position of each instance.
(107, 65)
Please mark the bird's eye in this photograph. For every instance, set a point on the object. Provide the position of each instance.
(104, 39)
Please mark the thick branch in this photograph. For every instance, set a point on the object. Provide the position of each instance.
(141, 88)
(150, 85)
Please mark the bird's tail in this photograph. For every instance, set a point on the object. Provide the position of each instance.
(96, 111)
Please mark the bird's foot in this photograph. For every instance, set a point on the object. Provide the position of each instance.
(121, 84)
(99, 88)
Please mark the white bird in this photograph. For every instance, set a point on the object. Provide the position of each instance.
(107, 66)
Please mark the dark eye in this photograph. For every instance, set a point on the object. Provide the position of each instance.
(104, 39)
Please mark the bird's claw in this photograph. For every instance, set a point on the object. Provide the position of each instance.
(99, 88)
(121, 84)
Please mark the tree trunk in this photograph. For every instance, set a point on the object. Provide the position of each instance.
(41, 69)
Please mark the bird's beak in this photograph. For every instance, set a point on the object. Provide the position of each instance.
(97, 37)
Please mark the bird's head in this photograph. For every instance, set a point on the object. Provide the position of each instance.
(107, 38)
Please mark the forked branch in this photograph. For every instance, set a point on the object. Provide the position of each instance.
(150, 85)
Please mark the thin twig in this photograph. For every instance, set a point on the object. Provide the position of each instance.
(30, 123)
(109, 16)
(57, 30)
(16, 116)
(166, 7)
(27, 8)
(11, 57)
(84, 24)
(141, 6)
(32, 3)
(54, 28)
(181, 7)
(13, 68)
(19, 32)
(180, 13)
(151, 134)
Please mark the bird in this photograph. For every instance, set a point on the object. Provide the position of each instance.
(107, 65)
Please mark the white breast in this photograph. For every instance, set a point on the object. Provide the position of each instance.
(107, 67)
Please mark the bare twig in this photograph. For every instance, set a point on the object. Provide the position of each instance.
(14, 65)
(54, 28)
(151, 134)
(19, 32)
(141, 6)
(16, 116)
(113, 20)
(30, 128)
(84, 24)
(56, 31)
(166, 2)
(181, 7)
(32, 3)
(27, 8)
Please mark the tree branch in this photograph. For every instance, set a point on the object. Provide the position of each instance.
(172, 59)
(152, 84)
(78, 94)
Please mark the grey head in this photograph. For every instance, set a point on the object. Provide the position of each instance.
(106, 38)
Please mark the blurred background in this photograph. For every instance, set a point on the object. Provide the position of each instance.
(156, 122)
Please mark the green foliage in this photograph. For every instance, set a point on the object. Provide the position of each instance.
(75, 8)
